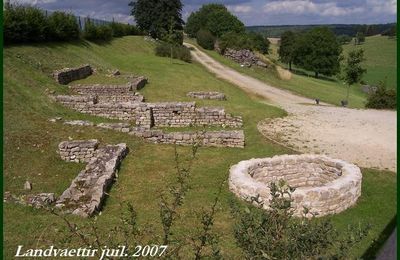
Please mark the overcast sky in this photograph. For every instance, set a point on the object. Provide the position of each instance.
(251, 12)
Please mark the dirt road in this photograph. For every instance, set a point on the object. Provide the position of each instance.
(364, 137)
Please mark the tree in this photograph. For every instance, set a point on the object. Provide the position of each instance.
(360, 38)
(318, 50)
(353, 70)
(215, 18)
(154, 16)
(259, 42)
(344, 39)
(287, 48)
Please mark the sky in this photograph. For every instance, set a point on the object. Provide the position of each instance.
(250, 12)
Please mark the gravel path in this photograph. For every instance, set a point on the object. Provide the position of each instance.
(365, 137)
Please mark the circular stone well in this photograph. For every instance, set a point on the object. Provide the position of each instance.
(323, 185)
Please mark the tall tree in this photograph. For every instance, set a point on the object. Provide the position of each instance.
(360, 38)
(287, 48)
(318, 51)
(353, 71)
(215, 18)
(156, 17)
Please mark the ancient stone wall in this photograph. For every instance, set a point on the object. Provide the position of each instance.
(183, 114)
(86, 194)
(130, 97)
(138, 82)
(207, 95)
(244, 57)
(323, 185)
(98, 89)
(204, 138)
(67, 75)
(78, 150)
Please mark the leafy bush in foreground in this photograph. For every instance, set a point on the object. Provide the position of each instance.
(277, 234)
(383, 98)
(173, 51)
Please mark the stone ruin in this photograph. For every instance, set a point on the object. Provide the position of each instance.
(41, 200)
(207, 95)
(121, 102)
(67, 75)
(244, 57)
(88, 190)
(233, 138)
(323, 185)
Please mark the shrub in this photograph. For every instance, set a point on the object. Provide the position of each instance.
(118, 30)
(97, 33)
(178, 51)
(383, 98)
(235, 41)
(24, 24)
(63, 26)
(205, 39)
(277, 234)
(259, 43)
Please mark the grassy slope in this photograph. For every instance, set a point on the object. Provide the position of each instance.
(31, 141)
(381, 63)
(327, 90)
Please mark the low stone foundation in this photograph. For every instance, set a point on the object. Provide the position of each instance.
(86, 194)
(40, 200)
(98, 89)
(323, 185)
(244, 57)
(78, 150)
(67, 75)
(207, 95)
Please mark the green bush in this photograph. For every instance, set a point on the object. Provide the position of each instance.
(205, 39)
(24, 24)
(178, 51)
(383, 98)
(97, 33)
(120, 29)
(62, 27)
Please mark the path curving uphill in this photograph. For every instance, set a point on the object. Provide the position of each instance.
(365, 137)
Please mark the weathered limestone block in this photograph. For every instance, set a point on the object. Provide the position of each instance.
(129, 97)
(120, 127)
(98, 89)
(137, 83)
(40, 200)
(79, 123)
(88, 190)
(78, 150)
(67, 75)
(207, 95)
(324, 190)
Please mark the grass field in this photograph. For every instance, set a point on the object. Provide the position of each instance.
(381, 59)
(30, 144)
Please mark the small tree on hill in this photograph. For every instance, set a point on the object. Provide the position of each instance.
(353, 71)
(360, 38)
(154, 16)
(287, 48)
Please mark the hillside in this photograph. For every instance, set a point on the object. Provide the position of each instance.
(30, 144)
(381, 59)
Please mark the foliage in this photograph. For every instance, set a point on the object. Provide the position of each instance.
(63, 27)
(172, 50)
(382, 98)
(23, 24)
(205, 39)
(215, 18)
(318, 51)
(277, 234)
(156, 16)
(353, 71)
(239, 41)
(344, 39)
(360, 38)
(97, 33)
(287, 48)
(391, 32)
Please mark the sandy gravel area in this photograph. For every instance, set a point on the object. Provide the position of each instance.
(364, 137)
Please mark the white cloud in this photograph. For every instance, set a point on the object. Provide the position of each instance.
(382, 6)
(301, 7)
(240, 8)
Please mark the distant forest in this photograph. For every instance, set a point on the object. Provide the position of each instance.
(338, 29)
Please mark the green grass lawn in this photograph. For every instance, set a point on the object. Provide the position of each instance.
(329, 90)
(30, 144)
(380, 53)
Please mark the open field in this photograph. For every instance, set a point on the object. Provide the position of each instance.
(30, 142)
(381, 59)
